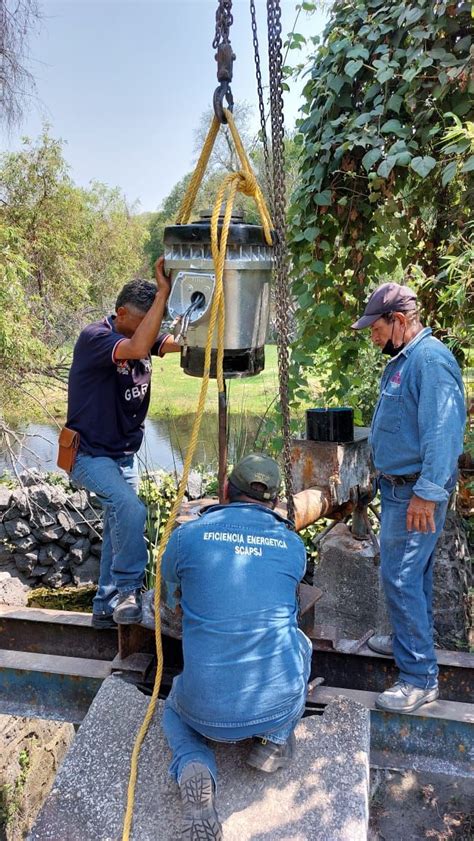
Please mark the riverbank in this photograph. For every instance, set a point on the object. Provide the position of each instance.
(173, 394)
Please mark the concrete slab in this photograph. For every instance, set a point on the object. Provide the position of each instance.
(323, 796)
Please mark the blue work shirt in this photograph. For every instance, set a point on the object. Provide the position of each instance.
(419, 419)
(237, 567)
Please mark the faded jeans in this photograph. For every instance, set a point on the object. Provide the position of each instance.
(189, 745)
(407, 560)
(124, 553)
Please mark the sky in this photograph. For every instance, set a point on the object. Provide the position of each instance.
(125, 82)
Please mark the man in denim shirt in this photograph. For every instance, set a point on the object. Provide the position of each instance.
(246, 663)
(417, 437)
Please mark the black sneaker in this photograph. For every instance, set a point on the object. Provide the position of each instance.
(267, 756)
(103, 621)
(129, 608)
(200, 820)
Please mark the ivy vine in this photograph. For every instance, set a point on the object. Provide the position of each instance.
(381, 195)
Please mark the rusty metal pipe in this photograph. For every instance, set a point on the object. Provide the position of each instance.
(309, 506)
(222, 471)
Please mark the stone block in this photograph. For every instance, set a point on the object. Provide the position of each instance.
(12, 590)
(87, 572)
(25, 544)
(322, 795)
(11, 513)
(348, 575)
(26, 563)
(79, 551)
(50, 554)
(18, 527)
(21, 500)
(46, 535)
(5, 497)
(57, 576)
(79, 500)
(44, 519)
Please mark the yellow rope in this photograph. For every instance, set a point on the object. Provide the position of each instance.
(245, 182)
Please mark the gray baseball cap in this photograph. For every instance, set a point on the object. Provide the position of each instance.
(390, 297)
(257, 468)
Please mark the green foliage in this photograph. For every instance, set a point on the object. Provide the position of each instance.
(158, 492)
(379, 196)
(64, 252)
(11, 793)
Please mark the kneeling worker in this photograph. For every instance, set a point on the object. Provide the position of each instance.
(246, 663)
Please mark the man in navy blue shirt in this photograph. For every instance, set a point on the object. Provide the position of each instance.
(108, 398)
(246, 663)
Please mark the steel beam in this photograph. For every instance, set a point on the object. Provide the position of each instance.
(45, 686)
(364, 669)
(437, 737)
(65, 632)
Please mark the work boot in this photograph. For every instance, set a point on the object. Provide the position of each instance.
(129, 608)
(403, 697)
(382, 644)
(267, 756)
(199, 821)
(103, 621)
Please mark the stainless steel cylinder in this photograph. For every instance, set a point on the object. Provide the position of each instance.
(247, 275)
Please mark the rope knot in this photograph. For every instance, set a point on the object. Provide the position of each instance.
(247, 183)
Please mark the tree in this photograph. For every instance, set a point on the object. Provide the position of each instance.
(222, 161)
(17, 20)
(64, 254)
(380, 195)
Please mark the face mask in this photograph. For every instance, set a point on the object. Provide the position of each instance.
(389, 348)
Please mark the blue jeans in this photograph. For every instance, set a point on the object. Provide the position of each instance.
(407, 559)
(190, 745)
(124, 553)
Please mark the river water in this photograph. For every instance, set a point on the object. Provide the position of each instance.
(164, 443)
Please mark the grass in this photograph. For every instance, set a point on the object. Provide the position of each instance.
(173, 393)
(176, 393)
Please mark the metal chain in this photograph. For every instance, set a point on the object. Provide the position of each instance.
(282, 298)
(261, 106)
(224, 20)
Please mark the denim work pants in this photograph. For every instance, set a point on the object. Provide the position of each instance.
(124, 554)
(407, 559)
(189, 745)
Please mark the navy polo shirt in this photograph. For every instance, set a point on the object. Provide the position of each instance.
(107, 398)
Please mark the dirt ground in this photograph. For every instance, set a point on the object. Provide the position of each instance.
(414, 806)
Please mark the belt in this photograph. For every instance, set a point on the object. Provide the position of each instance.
(407, 479)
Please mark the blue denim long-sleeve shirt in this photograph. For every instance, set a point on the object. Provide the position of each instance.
(419, 419)
(237, 567)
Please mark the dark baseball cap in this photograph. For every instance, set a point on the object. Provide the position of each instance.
(257, 468)
(390, 297)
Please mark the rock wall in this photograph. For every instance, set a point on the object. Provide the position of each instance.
(50, 536)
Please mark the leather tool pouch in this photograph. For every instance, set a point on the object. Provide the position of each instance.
(69, 441)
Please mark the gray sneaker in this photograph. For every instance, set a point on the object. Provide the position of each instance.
(129, 608)
(403, 697)
(382, 644)
(269, 757)
(200, 820)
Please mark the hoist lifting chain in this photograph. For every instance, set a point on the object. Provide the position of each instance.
(261, 106)
(282, 294)
(225, 58)
(224, 20)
